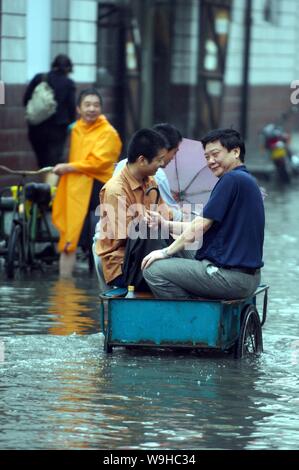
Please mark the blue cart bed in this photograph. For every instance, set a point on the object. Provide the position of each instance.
(143, 321)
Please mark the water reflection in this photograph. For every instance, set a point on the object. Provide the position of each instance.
(197, 405)
(41, 305)
(71, 309)
(77, 397)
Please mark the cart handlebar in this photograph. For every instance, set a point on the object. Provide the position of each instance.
(41, 171)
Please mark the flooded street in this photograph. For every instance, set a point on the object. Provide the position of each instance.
(60, 391)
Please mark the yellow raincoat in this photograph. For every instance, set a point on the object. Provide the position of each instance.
(94, 150)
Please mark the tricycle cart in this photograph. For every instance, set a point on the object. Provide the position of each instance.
(202, 324)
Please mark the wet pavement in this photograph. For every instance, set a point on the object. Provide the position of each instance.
(60, 391)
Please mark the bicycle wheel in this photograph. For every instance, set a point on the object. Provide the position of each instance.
(250, 341)
(15, 259)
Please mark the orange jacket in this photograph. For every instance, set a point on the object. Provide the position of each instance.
(94, 150)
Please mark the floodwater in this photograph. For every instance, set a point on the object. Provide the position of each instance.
(59, 390)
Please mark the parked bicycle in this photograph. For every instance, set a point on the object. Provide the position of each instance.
(30, 226)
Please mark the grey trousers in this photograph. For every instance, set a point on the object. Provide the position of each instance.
(99, 270)
(184, 278)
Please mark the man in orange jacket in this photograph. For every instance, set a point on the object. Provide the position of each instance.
(95, 147)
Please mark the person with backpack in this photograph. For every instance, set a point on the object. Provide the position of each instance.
(173, 139)
(50, 107)
(125, 199)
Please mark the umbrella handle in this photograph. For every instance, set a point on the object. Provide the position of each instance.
(153, 188)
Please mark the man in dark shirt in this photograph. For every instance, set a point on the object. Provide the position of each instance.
(230, 233)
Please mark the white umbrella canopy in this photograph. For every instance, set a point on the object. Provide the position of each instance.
(191, 181)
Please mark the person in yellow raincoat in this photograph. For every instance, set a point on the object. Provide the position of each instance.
(95, 147)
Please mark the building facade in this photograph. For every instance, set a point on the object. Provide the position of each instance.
(32, 33)
(195, 63)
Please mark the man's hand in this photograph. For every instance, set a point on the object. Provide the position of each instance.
(151, 257)
(63, 169)
(155, 219)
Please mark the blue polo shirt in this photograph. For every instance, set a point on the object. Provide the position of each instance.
(237, 235)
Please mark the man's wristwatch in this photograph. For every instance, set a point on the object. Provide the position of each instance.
(165, 253)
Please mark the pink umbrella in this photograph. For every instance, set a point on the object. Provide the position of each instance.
(190, 179)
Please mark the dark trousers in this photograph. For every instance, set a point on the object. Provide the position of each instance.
(91, 218)
(48, 142)
(136, 250)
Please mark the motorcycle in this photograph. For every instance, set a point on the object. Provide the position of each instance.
(277, 144)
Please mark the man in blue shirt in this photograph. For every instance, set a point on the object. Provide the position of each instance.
(230, 233)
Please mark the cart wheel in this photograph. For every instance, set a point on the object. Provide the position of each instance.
(250, 341)
(15, 253)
